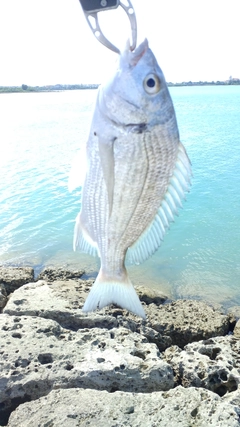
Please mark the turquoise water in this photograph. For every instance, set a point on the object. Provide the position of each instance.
(200, 255)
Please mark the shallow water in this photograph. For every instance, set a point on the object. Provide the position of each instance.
(200, 255)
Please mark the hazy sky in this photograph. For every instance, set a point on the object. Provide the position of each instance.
(49, 41)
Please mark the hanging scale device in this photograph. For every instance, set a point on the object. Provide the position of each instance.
(91, 8)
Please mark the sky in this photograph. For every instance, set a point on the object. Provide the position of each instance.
(49, 41)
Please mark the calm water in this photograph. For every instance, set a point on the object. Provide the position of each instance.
(200, 256)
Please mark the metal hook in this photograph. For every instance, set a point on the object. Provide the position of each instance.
(92, 19)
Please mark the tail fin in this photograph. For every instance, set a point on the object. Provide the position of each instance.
(120, 292)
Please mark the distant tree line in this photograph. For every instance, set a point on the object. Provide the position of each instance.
(47, 88)
(200, 83)
(59, 87)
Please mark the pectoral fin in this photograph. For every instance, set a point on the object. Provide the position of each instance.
(106, 152)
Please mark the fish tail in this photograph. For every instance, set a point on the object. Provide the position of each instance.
(119, 291)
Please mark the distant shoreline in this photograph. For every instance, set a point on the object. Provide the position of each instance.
(62, 87)
(47, 88)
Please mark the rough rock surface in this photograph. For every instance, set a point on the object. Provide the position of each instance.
(177, 323)
(14, 277)
(3, 297)
(176, 408)
(38, 355)
(186, 321)
(237, 330)
(213, 364)
(52, 354)
(51, 274)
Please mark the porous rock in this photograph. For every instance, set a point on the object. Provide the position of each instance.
(213, 364)
(177, 407)
(3, 297)
(14, 277)
(51, 274)
(186, 321)
(236, 330)
(62, 302)
(177, 323)
(151, 296)
(38, 355)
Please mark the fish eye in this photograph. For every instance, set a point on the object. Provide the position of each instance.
(151, 84)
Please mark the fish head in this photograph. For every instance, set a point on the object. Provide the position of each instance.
(138, 92)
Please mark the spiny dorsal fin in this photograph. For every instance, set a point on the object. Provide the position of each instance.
(153, 236)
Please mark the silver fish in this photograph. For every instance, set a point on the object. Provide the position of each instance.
(136, 176)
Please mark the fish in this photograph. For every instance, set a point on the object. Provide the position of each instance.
(136, 174)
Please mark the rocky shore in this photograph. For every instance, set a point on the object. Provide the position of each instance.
(62, 367)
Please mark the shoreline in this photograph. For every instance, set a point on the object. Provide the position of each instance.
(62, 87)
(69, 271)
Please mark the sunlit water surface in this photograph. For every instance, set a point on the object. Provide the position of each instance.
(200, 256)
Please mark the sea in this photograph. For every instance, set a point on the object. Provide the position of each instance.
(40, 135)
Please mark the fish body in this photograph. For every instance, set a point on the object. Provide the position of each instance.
(137, 173)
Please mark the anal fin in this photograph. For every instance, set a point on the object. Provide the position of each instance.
(82, 241)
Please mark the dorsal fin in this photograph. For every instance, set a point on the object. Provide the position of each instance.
(152, 237)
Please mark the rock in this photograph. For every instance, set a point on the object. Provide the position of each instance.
(3, 297)
(51, 274)
(237, 330)
(213, 364)
(14, 277)
(48, 345)
(235, 311)
(38, 355)
(186, 321)
(174, 323)
(233, 398)
(150, 296)
(177, 407)
(61, 301)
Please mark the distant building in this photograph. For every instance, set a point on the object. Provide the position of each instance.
(233, 80)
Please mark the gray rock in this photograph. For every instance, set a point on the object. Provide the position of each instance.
(233, 398)
(14, 277)
(150, 296)
(61, 301)
(48, 345)
(37, 355)
(213, 364)
(175, 408)
(185, 321)
(174, 323)
(235, 311)
(237, 330)
(3, 297)
(51, 274)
